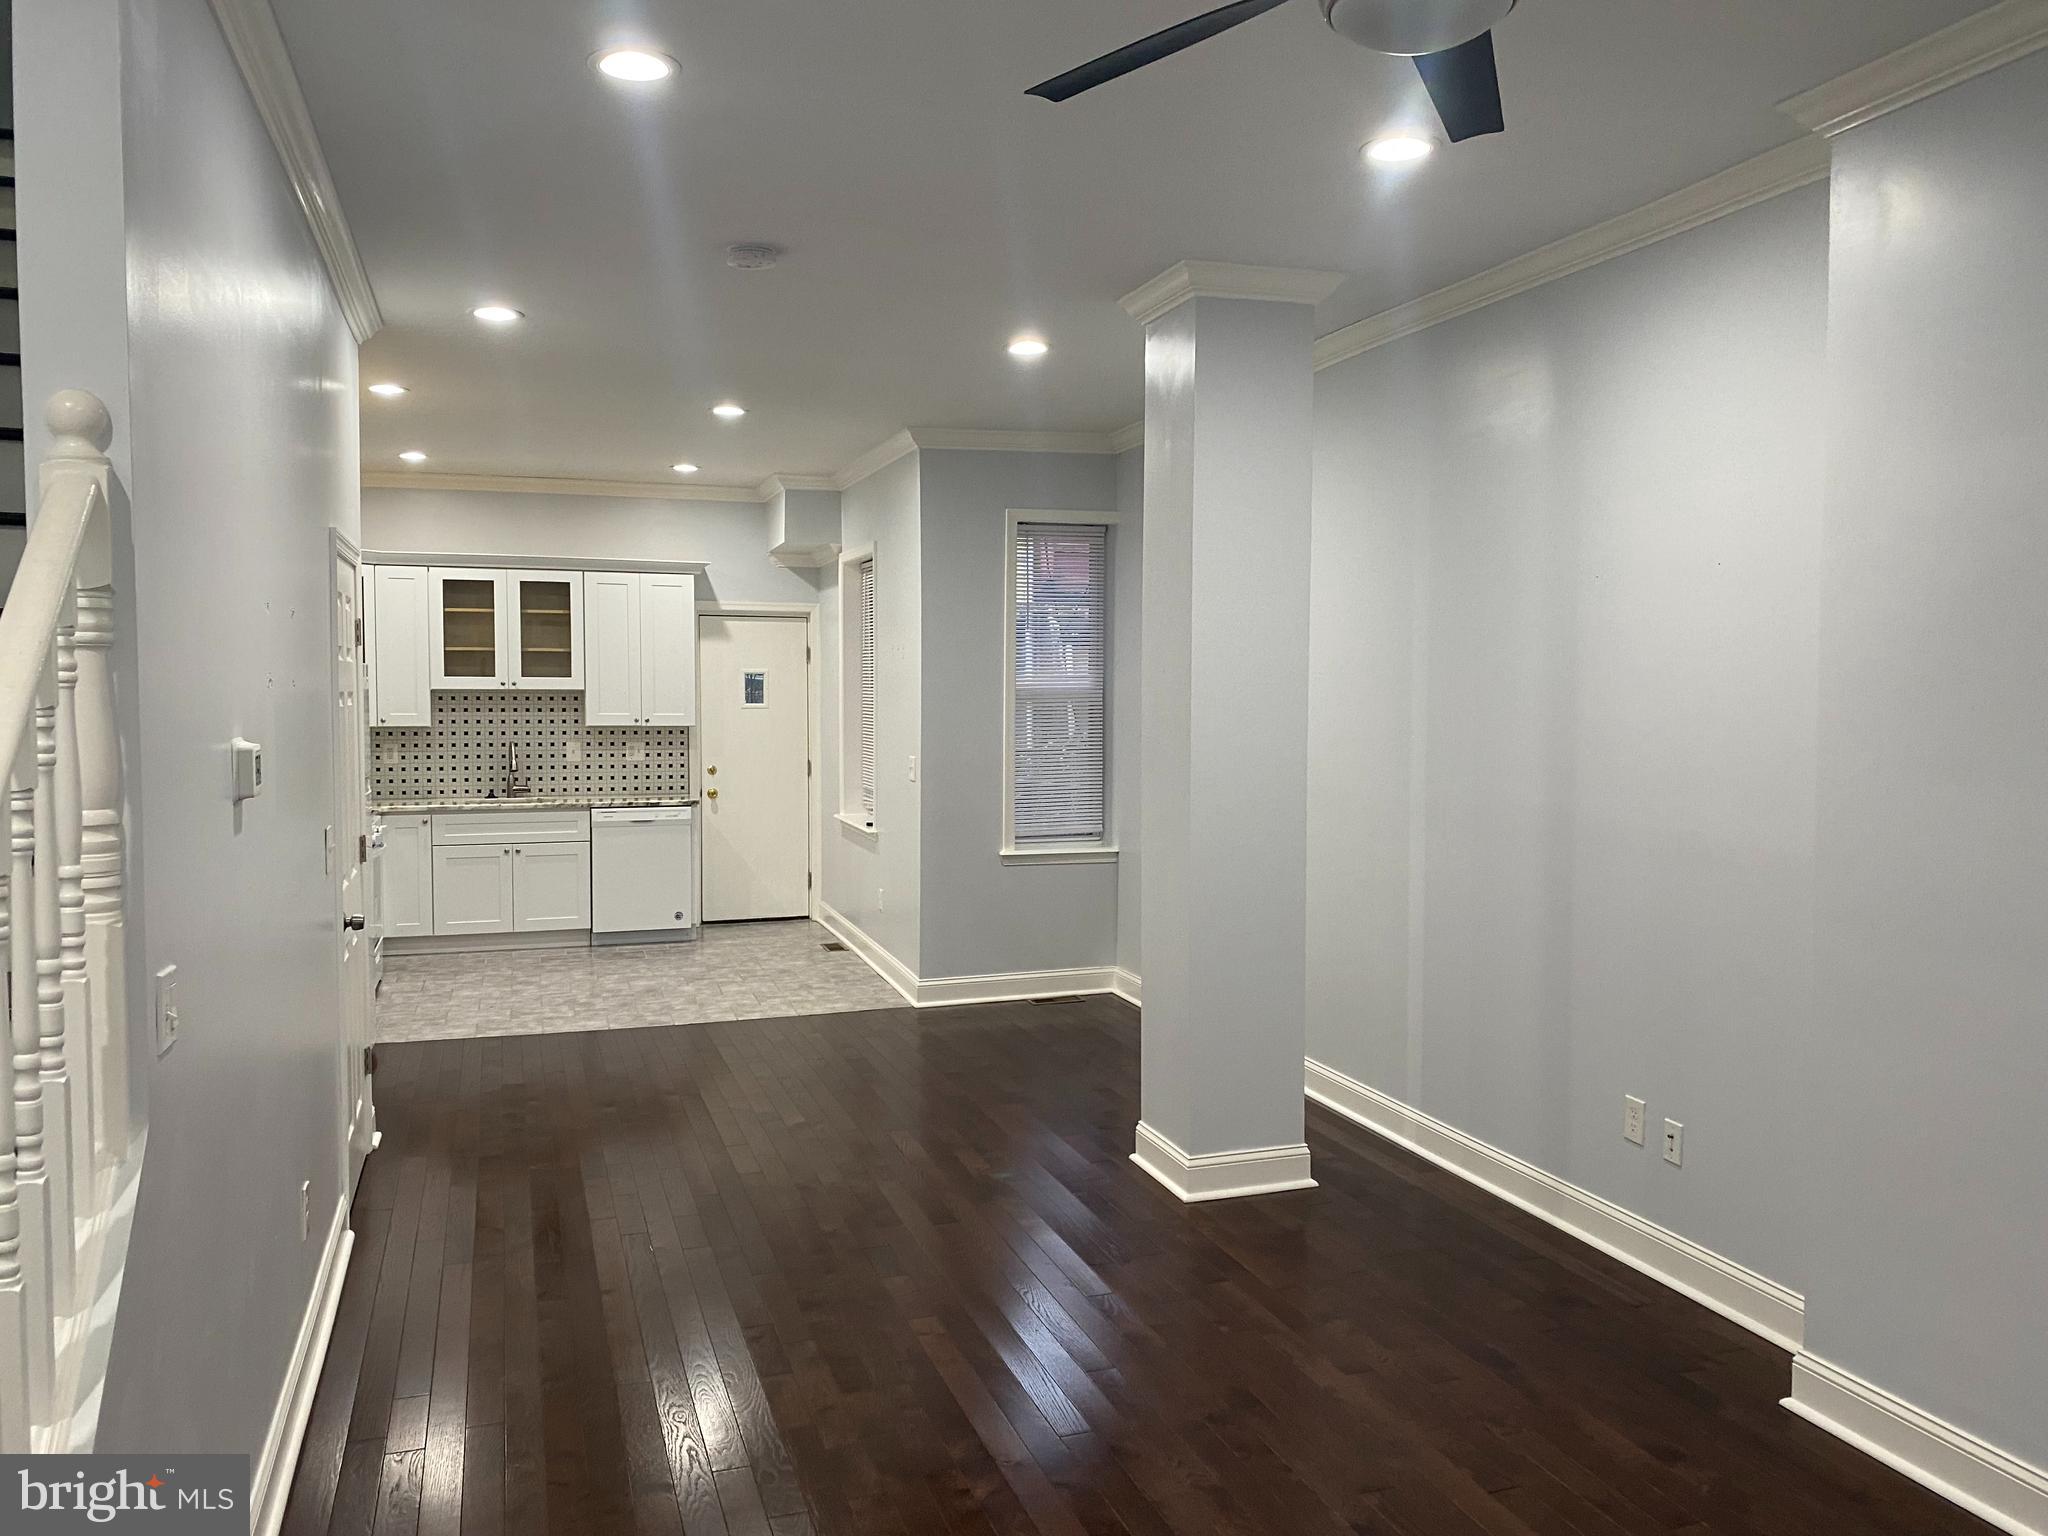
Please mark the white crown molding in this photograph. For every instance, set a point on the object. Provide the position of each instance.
(976, 441)
(548, 485)
(1197, 1176)
(881, 456)
(259, 52)
(1186, 280)
(1952, 1462)
(1740, 186)
(778, 483)
(1124, 439)
(1738, 1293)
(1993, 36)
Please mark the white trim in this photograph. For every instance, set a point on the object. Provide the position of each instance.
(1077, 853)
(529, 562)
(1124, 439)
(881, 456)
(272, 1484)
(1128, 986)
(1738, 1293)
(259, 53)
(814, 663)
(779, 482)
(954, 439)
(1197, 1176)
(1976, 44)
(551, 485)
(1991, 1484)
(480, 943)
(880, 961)
(1186, 280)
(1101, 851)
(1769, 175)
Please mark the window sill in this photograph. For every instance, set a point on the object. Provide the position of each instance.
(865, 828)
(1087, 853)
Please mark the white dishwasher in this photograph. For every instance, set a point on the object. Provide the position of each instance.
(643, 874)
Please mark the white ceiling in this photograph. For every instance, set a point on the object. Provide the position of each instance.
(930, 209)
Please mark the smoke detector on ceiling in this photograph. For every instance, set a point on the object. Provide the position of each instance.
(750, 256)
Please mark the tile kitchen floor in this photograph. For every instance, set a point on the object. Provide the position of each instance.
(734, 971)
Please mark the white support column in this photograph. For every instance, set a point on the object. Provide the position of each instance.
(1228, 400)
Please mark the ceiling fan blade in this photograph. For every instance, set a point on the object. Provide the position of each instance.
(1465, 87)
(1150, 50)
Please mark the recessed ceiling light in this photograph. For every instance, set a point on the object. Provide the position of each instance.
(496, 314)
(684, 469)
(1399, 149)
(1029, 347)
(388, 391)
(413, 456)
(638, 65)
(727, 411)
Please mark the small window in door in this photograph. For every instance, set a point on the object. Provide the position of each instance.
(753, 690)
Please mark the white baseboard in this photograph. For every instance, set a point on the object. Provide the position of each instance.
(280, 1458)
(1986, 1481)
(1221, 1175)
(1128, 986)
(952, 991)
(1740, 1294)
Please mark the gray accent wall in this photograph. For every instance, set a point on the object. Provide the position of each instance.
(995, 918)
(1561, 795)
(1924, 1086)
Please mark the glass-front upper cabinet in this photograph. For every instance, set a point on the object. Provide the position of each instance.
(468, 609)
(546, 612)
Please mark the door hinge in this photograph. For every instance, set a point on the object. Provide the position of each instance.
(807, 653)
(807, 879)
(362, 848)
(807, 767)
(359, 634)
(369, 1061)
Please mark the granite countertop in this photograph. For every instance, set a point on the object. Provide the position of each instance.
(527, 803)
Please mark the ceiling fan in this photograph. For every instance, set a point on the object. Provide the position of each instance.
(1451, 42)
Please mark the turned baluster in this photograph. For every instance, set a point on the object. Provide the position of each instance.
(14, 1316)
(72, 976)
(56, 1076)
(31, 1174)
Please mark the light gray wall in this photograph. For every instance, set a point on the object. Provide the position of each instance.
(730, 537)
(241, 426)
(1562, 753)
(1126, 736)
(874, 881)
(1928, 1072)
(986, 917)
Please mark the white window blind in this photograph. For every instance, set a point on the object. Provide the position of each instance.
(1060, 680)
(866, 749)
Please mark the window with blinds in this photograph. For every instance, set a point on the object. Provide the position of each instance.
(1059, 677)
(864, 684)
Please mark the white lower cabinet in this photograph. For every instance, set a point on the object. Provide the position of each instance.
(472, 889)
(406, 877)
(550, 886)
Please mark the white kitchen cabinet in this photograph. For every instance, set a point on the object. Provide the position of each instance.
(668, 649)
(612, 648)
(640, 629)
(398, 623)
(550, 886)
(473, 889)
(406, 877)
(468, 628)
(545, 612)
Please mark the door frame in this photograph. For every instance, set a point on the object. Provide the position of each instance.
(808, 612)
(341, 548)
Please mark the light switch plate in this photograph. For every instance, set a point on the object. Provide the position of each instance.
(1674, 1143)
(166, 1009)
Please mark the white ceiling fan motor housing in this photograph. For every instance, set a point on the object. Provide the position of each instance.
(1409, 27)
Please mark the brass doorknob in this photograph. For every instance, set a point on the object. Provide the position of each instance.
(712, 770)
(711, 794)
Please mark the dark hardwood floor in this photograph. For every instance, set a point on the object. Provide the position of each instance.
(894, 1272)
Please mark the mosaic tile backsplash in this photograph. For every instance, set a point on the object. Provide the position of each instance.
(462, 754)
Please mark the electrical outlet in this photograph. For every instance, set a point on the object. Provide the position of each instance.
(166, 1009)
(1632, 1118)
(636, 751)
(575, 749)
(881, 899)
(1674, 1143)
(305, 1210)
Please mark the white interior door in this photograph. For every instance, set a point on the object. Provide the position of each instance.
(350, 856)
(754, 739)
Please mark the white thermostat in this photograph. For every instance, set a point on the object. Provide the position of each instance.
(248, 757)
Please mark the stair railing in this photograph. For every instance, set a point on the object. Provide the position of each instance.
(64, 1118)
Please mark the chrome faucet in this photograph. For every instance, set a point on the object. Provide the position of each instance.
(515, 776)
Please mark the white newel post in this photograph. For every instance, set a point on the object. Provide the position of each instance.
(56, 1074)
(32, 1179)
